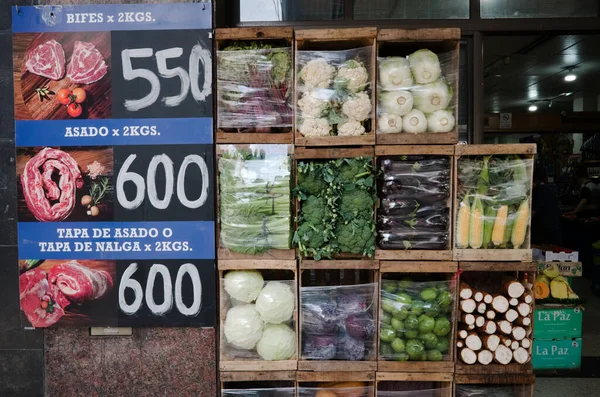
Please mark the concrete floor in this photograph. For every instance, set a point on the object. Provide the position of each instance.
(567, 387)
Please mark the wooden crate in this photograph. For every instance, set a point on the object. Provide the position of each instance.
(412, 255)
(258, 380)
(336, 40)
(522, 384)
(441, 381)
(334, 273)
(403, 42)
(523, 254)
(278, 269)
(523, 271)
(419, 367)
(320, 379)
(272, 254)
(276, 35)
(303, 153)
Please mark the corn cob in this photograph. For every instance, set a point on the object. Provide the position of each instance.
(488, 225)
(462, 223)
(519, 170)
(483, 183)
(510, 220)
(476, 224)
(500, 225)
(519, 230)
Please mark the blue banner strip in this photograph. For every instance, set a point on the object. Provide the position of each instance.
(114, 132)
(117, 240)
(107, 17)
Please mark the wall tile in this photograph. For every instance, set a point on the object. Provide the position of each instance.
(21, 373)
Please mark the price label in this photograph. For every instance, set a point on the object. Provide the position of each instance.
(167, 291)
(156, 183)
(158, 75)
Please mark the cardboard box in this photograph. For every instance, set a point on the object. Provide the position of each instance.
(554, 254)
(557, 322)
(556, 354)
(565, 269)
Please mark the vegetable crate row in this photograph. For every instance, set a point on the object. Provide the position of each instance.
(428, 202)
(337, 87)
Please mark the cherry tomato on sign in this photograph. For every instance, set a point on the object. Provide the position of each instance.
(64, 96)
(74, 110)
(79, 94)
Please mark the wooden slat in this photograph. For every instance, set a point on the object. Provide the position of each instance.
(252, 137)
(498, 266)
(418, 34)
(254, 33)
(367, 139)
(522, 255)
(335, 376)
(398, 150)
(414, 377)
(272, 254)
(335, 34)
(414, 255)
(258, 365)
(418, 368)
(252, 376)
(479, 150)
(256, 264)
(417, 267)
(340, 264)
(495, 379)
(493, 369)
(333, 153)
(332, 365)
(404, 138)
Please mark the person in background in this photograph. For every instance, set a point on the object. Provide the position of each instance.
(545, 207)
(589, 196)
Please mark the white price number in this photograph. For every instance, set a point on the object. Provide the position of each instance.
(189, 81)
(160, 309)
(126, 176)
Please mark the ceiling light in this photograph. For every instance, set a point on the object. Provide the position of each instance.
(532, 108)
(567, 93)
(571, 76)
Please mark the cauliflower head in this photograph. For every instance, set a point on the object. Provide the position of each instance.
(350, 128)
(358, 107)
(352, 76)
(315, 127)
(312, 104)
(317, 73)
(388, 123)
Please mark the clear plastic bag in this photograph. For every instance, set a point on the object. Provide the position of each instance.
(416, 320)
(274, 392)
(416, 393)
(258, 317)
(493, 202)
(338, 322)
(334, 92)
(414, 195)
(254, 195)
(254, 82)
(484, 391)
(415, 93)
(339, 391)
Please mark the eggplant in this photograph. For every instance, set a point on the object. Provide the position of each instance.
(415, 178)
(415, 191)
(430, 221)
(409, 206)
(413, 239)
(425, 195)
(426, 165)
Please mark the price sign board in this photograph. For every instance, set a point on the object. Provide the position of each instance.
(115, 165)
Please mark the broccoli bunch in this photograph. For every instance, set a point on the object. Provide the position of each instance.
(336, 207)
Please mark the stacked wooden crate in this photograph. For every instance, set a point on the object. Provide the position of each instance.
(441, 270)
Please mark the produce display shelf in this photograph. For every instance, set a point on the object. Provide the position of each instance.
(255, 364)
(327, 379)
(442, 381)
(496, 275)
(522, 384)
(304, 153)
(419, 367)
(227, 254)
(402, 42)
(237, 382)
(523, 254)
(408, 254)
(223, 37)
(365, 271)
(336, 40)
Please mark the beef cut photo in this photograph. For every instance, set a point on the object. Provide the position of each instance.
(53, 70)
(68, 292)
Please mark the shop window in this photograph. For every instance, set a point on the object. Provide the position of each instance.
(492, 9)
(411, 9)
(290, 10)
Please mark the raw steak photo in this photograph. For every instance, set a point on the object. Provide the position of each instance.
(47, 60)
(43, 303)
(87, 64)
(80, 283)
